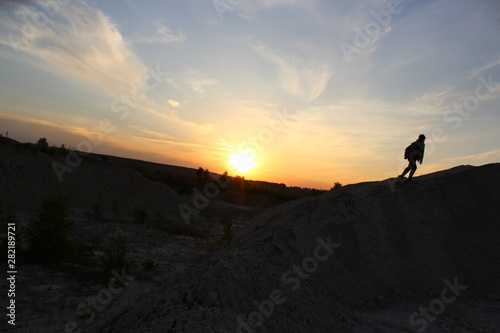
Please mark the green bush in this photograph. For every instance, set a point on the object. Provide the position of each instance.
(48, 231)
(115, 258)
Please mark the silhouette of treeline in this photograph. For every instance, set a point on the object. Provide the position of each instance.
(42, 145)
(184, 184)
(181, 179)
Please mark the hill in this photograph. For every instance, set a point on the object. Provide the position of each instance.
(27, 175)
(116, 184)
(362, 258)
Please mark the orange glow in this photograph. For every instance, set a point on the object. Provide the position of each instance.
(242, 162)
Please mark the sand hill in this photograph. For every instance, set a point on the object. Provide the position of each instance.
(27, 176)
(362, 258)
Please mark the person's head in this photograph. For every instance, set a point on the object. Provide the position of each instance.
(421, 137)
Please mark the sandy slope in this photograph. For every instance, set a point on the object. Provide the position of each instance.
(392, 252)
(26, 177)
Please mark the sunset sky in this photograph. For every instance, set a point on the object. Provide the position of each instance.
(304, 92)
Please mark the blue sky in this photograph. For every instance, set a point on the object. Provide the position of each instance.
(313, 91)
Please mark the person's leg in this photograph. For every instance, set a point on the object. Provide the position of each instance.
(408, 168)
(405, 171)
(413, 166)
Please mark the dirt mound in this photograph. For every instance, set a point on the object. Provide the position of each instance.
(316, 264)
(26, 175)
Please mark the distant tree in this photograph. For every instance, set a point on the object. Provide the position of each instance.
(223, 180)
(239, 183)
(336, 185)
(42, 144)
(199, 172)
(202, 175)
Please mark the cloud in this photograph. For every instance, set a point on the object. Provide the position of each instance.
(306, 79)
(162, 34)
(173, 103)
(26, 126)
(478, 71)
(192, 80)
(490, 155)
(279, 3)
(76, 40)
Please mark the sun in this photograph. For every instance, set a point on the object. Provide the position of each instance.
(242, 161)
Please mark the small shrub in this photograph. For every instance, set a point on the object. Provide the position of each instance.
(63, 150)
(115, 258)
(48, 231)
(227, 232)
(149, 264)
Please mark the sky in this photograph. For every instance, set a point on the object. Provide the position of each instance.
(301, 92)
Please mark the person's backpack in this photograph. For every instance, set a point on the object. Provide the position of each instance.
(410, 149)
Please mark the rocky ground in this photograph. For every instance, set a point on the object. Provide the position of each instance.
(420, 258)
(50, 296)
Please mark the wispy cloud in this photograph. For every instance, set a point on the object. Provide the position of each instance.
(479, 70)
(162, 34)
(61, 126)
(278, 3)
(306, 79)
(489, 155)
(78, 41)
(191, 81)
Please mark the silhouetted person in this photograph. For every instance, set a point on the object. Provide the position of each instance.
(414, 153)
